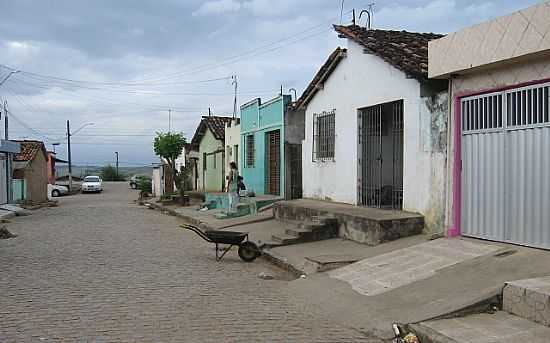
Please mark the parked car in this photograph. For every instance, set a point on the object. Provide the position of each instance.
(55, 191)
(92, 184)
(136, 180)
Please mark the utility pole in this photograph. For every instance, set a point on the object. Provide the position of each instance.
(169, 120)
(235, 83)
(116, 153)
(6, 136)
(69, 156)
(9, 197)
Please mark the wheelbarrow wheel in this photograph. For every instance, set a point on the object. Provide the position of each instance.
(248, 251)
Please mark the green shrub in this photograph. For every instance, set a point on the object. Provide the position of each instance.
(145, 185)
(108, 173)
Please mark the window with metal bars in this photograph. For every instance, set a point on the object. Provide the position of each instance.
(512, 109)
(528, 106)
(250, 151)
(324, 136)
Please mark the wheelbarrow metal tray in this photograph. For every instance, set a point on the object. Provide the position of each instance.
(226, 237)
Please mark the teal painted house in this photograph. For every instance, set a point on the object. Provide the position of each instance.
(271, 137)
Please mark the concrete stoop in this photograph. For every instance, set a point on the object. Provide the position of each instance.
(317, 228)
(370, 226)
(525, 318)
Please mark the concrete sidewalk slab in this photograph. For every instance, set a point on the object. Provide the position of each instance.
(324, 255)
(5, 214)
(15, 209)
(207, 219)
(470, 285)
(485, 328)
(382, 273)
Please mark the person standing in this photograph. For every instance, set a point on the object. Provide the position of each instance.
(233, 187)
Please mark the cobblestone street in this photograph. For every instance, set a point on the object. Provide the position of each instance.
(99, 268)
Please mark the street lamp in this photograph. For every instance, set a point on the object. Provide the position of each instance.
(54, 145)
(69, 134)
(116, 153)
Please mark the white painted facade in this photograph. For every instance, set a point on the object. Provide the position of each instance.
(232, 141)
(362, 80)
(180, 161)
(158, 181)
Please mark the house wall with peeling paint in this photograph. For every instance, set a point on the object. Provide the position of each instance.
(425, 162)
(362, 80)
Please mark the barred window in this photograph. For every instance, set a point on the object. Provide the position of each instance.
(324, 136)
(249, 146)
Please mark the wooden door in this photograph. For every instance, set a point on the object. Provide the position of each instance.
(273, 153)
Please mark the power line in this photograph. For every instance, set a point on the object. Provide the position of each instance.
(128, 84)
(143, 92)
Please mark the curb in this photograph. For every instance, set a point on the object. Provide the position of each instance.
(281, 262)
(190, 220)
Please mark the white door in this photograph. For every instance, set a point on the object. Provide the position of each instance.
(506, 166)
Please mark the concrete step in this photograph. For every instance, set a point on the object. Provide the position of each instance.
(481, 328)
(285, 239)
(529, 299)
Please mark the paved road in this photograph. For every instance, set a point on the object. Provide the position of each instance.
(99, 268)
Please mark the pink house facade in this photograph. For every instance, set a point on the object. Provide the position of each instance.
(499, 127)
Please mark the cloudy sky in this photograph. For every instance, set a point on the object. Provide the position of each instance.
(122, 64)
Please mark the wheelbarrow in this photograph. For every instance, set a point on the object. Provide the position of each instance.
(248, 251)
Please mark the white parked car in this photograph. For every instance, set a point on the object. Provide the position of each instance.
(91, 184)
(55, 191)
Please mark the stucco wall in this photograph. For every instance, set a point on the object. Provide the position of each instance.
(232, 145)
(259, 119)
(363, 80)
(36, 174)
(486, 80)
(501, 40)
(211, 180)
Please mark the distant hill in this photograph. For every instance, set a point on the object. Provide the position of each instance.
(83, 171)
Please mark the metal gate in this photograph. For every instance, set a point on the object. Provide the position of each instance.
(505, 166)
(295, 157)
(380, 166)
(273, 153)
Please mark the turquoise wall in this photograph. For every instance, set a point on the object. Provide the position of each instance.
(258, 119)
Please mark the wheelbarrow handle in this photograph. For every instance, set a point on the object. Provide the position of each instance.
(197, 231)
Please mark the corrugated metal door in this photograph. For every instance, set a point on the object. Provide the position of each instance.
(505, 166)
(273, 149)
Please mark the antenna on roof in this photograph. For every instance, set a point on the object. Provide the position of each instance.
(295, 93)
(235, 83)
(342, 12)
(209, 112)
(369, 13)
(281, 90)
(353, 16)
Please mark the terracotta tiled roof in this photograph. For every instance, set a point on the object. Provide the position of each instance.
(406, 51)
(322, 75)
(216, 124)
(29, 149)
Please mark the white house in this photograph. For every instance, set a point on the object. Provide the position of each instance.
(376, 126)
(232, 141)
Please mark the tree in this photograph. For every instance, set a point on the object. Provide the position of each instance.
(108, 173)
(169, 146)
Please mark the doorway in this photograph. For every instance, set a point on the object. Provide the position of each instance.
(273, 158)
(381, 156)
